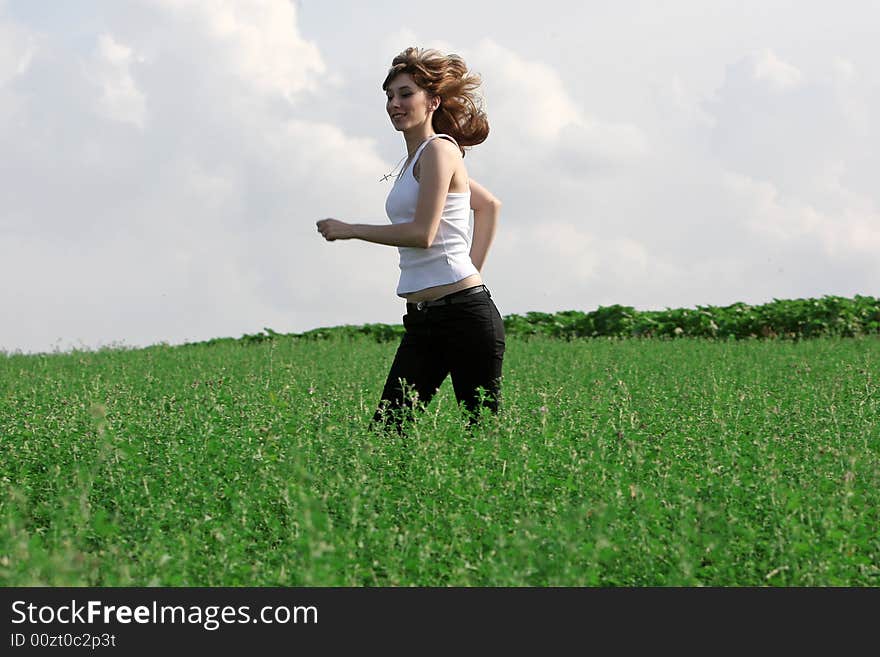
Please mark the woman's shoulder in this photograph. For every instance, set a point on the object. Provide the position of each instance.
(441, 153)
(444, 146)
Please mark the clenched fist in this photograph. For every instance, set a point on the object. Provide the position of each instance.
(333, 229)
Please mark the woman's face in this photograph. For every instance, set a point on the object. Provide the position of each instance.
(407, 103)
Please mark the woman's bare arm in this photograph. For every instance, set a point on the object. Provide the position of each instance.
(487, 209)
(406, 234)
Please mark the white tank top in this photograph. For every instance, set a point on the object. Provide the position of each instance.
(448, 258)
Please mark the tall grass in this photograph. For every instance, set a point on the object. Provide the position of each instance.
(613, 462)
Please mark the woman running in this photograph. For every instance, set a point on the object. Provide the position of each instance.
(452, 325)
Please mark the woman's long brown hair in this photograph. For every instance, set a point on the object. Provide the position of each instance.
(460, 114)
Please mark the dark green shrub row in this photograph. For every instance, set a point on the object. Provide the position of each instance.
(782, 319)
(379, 332)
(786, 319)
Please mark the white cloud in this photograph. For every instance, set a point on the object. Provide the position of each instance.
(120, 100)
(17, 48)
(531, 100)
(527, 98)
(854, 231)
(770, 69)
(788, 128)
(843, 68)
(258, 40)
(405, 37)
(566, 261)
(675, 101)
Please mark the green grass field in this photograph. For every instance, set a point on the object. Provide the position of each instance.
(614, 462)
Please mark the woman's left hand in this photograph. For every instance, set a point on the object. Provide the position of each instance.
(333, 229)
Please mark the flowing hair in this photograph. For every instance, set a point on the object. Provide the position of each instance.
(460, 114)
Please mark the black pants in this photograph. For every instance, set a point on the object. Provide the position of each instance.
(464, 339)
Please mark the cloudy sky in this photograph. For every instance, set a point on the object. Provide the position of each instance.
(164, 162)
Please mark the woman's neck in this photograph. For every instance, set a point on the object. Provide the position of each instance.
(415, 138)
